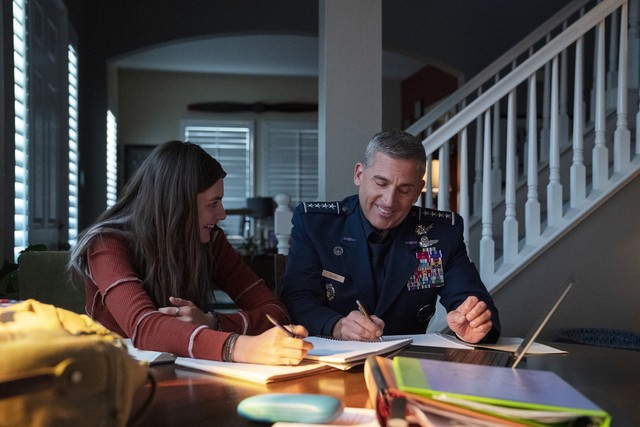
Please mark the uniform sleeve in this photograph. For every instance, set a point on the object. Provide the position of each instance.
(303, 292)
(463, 280)
(248, 291)
(122, 305)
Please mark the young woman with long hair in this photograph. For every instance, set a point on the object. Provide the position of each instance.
(150, 264)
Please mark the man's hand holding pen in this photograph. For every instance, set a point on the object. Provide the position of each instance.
(359, 325)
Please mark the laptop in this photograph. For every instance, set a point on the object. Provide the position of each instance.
(486, 356)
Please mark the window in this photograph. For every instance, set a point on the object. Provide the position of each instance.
(231, 144)
(73, 145)
(112, 160)
(21, 202)
(287, 154)
(291, 158)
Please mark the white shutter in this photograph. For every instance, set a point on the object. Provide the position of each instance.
(230, 144)
(290, 160)
(73, 145)
(112, 159)
(21, 202)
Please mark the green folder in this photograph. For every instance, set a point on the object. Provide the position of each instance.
(532, 397)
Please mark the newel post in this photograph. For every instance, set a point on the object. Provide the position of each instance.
(282, 222)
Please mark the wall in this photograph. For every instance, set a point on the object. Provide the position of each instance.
(150, 105)
(465, 35)
(603, 254)
(423, 89)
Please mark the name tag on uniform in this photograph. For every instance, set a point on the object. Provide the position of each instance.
(333, 276)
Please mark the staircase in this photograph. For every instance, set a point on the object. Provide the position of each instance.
(542, 137)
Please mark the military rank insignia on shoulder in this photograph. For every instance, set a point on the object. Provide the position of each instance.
(433, 215)
(336, 208)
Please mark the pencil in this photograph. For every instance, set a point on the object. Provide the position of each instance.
(364, 313)
(275, 322)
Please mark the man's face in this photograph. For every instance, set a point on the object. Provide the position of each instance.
(387, 189)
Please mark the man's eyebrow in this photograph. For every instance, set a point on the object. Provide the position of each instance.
(407, 185)
(382, 178)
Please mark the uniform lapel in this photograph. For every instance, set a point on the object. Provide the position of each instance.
(402, 263)
(357, 257)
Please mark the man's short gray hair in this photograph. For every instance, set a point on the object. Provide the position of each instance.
(398, 145)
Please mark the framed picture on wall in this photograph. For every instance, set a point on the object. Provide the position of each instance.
(134, 155)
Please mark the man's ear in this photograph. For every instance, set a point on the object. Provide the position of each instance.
(420, 187)
(357, 173)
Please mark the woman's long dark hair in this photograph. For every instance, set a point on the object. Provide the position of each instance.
(158, 216)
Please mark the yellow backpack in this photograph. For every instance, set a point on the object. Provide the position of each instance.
(58, 367)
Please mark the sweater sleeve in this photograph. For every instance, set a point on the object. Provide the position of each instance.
(121, 304)
(249, 292)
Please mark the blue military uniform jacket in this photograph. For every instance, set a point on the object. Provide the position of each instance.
(329, 268)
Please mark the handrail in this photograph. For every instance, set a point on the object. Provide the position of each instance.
(536, 61)
(505, 237)
(495, 67)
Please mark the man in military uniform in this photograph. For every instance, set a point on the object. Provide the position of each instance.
(378, 250)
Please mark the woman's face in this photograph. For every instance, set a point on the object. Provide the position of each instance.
(210, 209)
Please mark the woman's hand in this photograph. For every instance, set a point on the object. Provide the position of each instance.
(187, 311)
(273, 347)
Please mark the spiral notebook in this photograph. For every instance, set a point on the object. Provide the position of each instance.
(253, 372)
(327, 353)
(345, 354)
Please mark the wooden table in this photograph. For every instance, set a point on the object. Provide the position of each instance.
(190, 398)
(609, 377)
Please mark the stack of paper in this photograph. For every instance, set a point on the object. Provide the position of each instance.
(327, 353)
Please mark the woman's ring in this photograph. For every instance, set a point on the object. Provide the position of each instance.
(177, 312)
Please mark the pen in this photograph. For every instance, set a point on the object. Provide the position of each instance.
(364, 312)
(275, 322)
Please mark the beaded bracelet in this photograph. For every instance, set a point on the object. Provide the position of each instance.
(229, 345)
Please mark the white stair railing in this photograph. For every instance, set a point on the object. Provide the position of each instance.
(550, 152)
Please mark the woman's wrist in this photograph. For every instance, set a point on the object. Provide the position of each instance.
(229, 347)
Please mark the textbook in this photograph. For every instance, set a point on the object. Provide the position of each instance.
(529, 396)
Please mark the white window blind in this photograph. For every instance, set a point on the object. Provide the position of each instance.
(21, 202)
(290, 160)
(73, 145)
(230, 144)
(112, 160)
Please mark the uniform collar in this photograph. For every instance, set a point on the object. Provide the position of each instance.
(372, 234)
